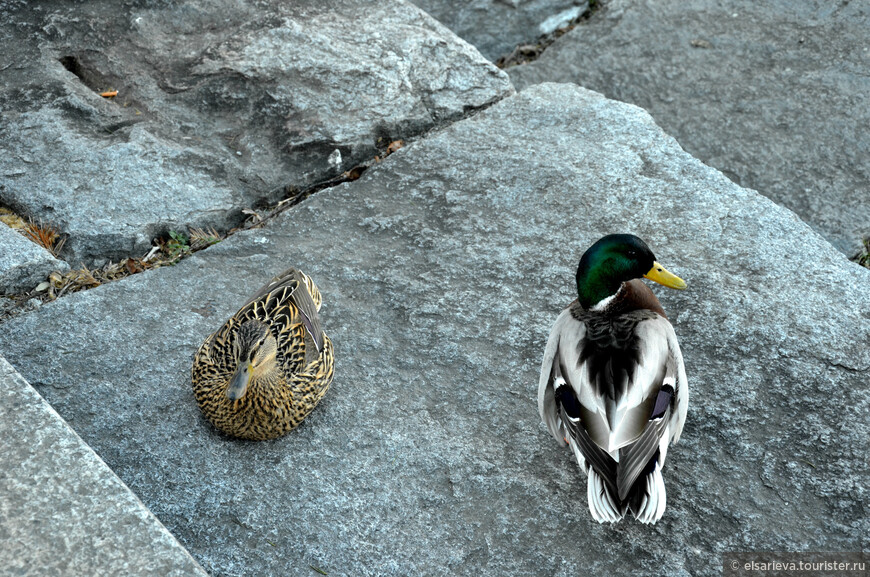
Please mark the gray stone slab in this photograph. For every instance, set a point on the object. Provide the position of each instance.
(62, 510)
(496, 27)
(221, 105)
(442, 271)
(24, 264)
(774, 94)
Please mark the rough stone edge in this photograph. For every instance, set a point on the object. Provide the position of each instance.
(30, 263)
(854, 249)
(10, 378)
(78, 249)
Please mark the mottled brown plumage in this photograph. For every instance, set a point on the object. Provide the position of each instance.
(260, 374)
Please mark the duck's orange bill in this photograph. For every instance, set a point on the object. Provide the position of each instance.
(660, 274)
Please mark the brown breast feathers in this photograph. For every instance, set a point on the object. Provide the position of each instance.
(636, 295)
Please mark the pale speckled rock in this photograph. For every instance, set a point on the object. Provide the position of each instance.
(221, 105)
(496, 27)
(442, 270)
(62, 510)
(774, 94)
(23, 264)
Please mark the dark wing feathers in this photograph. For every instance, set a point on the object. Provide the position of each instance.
(635, 458)
(290, 284)
(308, 311)
(663, 401)
(289, 278)
(595, 456)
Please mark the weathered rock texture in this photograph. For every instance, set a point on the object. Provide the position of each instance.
(23, 264)
(443, 269)
(496, 27)
(62, 511)
(774, 94)
(220, 105)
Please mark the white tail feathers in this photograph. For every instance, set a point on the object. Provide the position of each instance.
(652, 506)
(601, 503)
(604, 507)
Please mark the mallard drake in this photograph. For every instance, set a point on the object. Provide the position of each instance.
(260, 374)
(613, 385)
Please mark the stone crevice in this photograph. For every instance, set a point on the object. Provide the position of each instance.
(272, 74)
(527, 52)
(786, 127)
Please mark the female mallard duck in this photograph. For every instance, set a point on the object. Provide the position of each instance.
(269, 365)
(613, 386)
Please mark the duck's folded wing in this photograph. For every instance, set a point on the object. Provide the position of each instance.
(285, 280)
(673, 373)
(634, 459)
(681, 388)
(308, 311)
(593, 455)
(667, 414)
(570, 330)
(271, 300)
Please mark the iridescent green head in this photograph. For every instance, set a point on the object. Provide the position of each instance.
(613, 260)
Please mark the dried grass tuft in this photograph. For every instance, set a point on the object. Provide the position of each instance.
(45, 236)
(201, 238)
(11, 219)
(167, 252)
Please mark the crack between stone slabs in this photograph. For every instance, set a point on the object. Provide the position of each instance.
(45, 291)
(36, 231)
(171, 249)
(863, 256)
(531, 51)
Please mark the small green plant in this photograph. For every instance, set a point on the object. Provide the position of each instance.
(176, 246)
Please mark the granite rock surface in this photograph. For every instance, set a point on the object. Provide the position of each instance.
(496, 27)
(776, 94)
(24, 264)
(62, 510)
(220, 106)
(442, 269)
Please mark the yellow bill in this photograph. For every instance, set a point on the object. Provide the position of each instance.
(660, 274)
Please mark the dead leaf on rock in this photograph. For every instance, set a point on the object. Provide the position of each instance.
(253, 216)
(394, 146)
(135, 265)
(354, 173)
(391, 148)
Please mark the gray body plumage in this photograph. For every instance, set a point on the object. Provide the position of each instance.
(626, 400)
